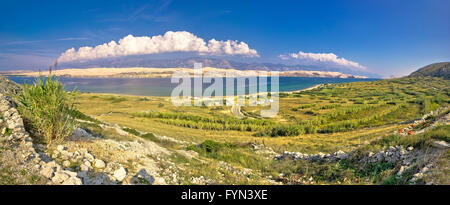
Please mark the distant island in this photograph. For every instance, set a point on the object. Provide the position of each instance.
(142, 72)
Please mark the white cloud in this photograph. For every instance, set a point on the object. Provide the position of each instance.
(322, 58)
(180, 41)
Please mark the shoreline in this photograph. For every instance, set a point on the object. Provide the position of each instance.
(306, 89)
(144, 72)
(131, 95)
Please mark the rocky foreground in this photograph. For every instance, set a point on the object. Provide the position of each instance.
(33, 163)
(86, 159)
(418, 161)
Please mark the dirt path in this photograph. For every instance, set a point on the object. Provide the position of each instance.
(236, 110)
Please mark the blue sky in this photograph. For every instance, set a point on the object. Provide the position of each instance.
(384, 37)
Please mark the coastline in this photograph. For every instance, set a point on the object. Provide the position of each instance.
(143, 72)
(306, 89)
(153, 96)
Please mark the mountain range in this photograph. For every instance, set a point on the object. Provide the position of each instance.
(139, 61)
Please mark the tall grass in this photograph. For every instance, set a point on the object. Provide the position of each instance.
(48, 109)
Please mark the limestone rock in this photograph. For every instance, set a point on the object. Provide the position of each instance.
(60, 148)
(66, 163)
(60, 177)
(89, 156)
(83, 167)
(72, 181)
(401, 171)
(47, 172)
(78, 132)
(99, 164)
(441, 144)
(120, 174)
(71, 174)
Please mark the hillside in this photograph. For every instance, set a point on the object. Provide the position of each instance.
(434, 70)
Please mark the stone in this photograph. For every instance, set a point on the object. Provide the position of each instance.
(78, 132)
(82, 151)
(83, 167)
(47, 172)
(51, 164)
(89, 156)
(143, 177)
(66, 163)
(60, 177)
(417, 176)
(441, 144)
(120, 174)
(65, 154)
(88, 164)
(111, 167)
(97, 179)
(410, 148)
(425, 169)
(99, 164)
(71, 174)
(401, 171)
(60, 148)
(82, 174)
(72, 181)
(54, 155)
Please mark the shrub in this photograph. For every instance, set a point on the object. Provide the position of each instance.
(131, 131)
(47, 109)
(310, 112)
(115, 99)
(79, 115)
(7, 131)
(306, 106)
(281, 131)
(143, 99)
(210, 146)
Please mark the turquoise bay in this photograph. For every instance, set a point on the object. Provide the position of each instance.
(164, 87)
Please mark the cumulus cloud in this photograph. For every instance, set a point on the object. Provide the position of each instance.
(322, 58)
(180, 41)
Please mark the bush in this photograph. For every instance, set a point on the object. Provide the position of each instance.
(131, 131)
(210, 146)
(47, 109)
(79, 115)
(115, 99)
(281, 131)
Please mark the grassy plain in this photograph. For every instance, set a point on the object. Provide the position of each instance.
(347, 116)
(330, 118)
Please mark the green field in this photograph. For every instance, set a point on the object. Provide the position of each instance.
(338, 116)
(334, 117)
